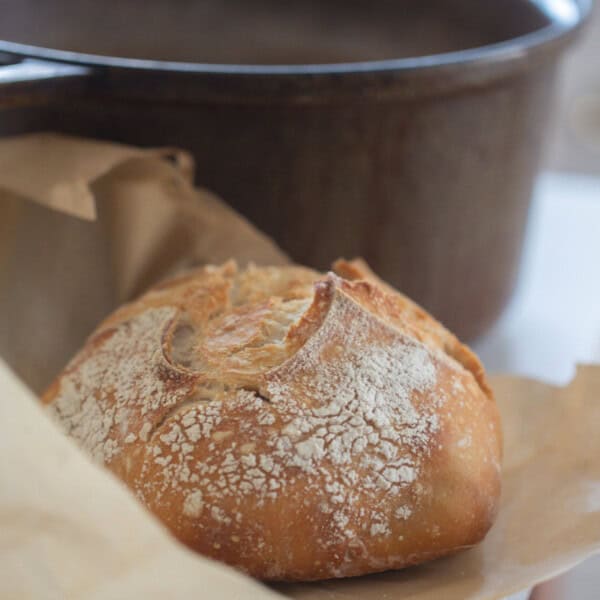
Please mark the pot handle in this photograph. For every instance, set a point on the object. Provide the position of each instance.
(34, 81)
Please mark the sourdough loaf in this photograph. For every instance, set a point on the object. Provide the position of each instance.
(296, 425)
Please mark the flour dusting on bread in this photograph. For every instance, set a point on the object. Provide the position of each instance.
(109, 387)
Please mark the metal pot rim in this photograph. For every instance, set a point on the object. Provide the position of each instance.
(565, 16)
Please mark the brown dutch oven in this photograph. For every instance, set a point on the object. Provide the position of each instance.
(405, 132)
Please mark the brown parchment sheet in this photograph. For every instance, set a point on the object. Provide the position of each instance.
(69, 530)
(140, 220)
(60, 272)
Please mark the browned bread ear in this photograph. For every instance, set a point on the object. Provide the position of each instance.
(296, 425)
(425, 326)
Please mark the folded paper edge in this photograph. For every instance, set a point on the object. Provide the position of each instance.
(76, 197)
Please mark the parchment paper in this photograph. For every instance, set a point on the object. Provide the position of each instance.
(60, 276)
(550, 514)
(69, 530)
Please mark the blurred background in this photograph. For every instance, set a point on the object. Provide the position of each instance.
(553, 321)
(574, 142)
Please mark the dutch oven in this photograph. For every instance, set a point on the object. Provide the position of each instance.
(408, 132)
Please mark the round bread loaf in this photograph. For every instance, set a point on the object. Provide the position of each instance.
(295, 425)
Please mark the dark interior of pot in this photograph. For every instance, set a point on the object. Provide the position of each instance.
(267, 31)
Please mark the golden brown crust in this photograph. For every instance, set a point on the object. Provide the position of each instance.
(294, 425)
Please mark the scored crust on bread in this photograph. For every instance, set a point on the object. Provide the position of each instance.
(295, 425)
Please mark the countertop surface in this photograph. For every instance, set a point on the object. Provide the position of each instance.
(553, 319)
